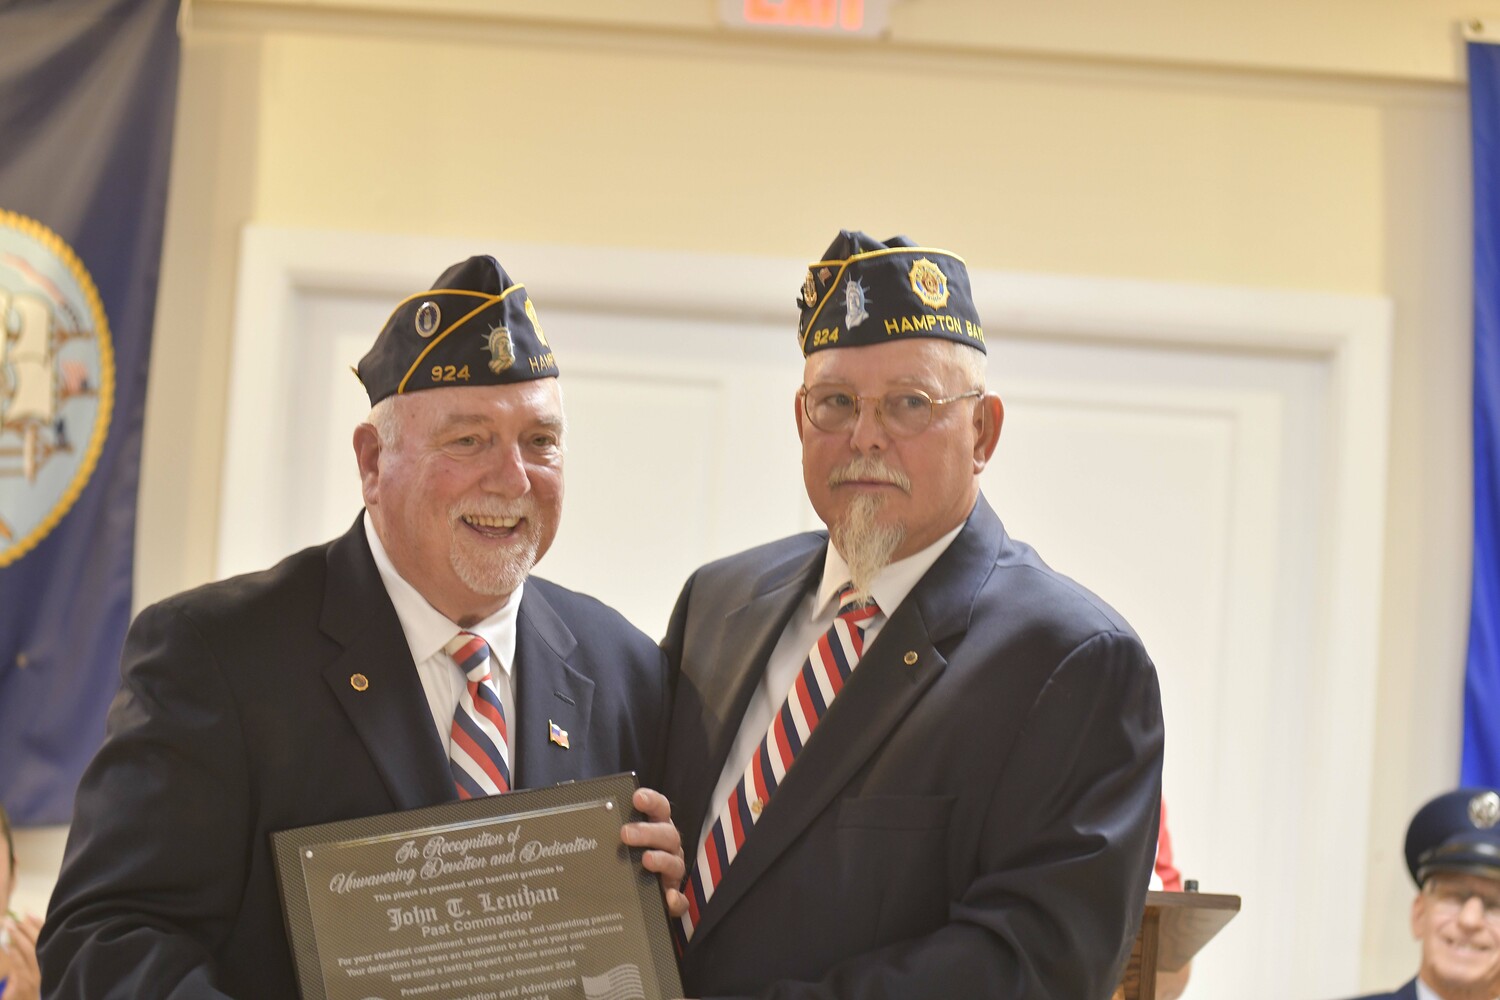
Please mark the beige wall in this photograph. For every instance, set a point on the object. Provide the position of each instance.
(1276, 144)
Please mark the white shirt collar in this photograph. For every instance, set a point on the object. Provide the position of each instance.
(892, 584)
(428, 630)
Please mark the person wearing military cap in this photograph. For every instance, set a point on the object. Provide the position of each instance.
(1453, 854)
(908, 758)
(411, 662)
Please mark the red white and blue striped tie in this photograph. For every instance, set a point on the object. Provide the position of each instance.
(827, 667)
(478, 755)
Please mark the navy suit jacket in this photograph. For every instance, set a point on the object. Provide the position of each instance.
(1407, 992)
(976, 813)
(237, 718)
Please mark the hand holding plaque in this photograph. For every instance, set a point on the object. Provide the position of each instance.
(661, 845)
(530, 894)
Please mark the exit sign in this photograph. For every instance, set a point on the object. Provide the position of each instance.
(848, 18)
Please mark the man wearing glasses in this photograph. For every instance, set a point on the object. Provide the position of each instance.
(909, 759)
(1453, 853)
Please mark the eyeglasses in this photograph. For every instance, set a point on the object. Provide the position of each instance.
(903, 414)
(1449, 898)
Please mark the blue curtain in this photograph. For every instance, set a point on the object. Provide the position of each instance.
(1481, 751)
(87, 94)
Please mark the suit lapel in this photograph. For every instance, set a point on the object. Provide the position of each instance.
(548, 692)
(750, 633)
(375, 680)
(895, 671)
(877, 696)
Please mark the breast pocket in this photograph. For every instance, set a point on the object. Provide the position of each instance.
(894, 852)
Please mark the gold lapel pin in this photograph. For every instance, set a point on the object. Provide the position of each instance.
(359, 682)
(910, 658)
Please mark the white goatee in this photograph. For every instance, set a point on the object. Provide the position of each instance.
(865, 543)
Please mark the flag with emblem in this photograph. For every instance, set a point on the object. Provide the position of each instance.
(87, 94)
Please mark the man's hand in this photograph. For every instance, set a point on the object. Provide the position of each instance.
(663, 845)
(18, 958)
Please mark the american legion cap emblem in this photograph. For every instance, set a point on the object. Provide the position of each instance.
(57, 381)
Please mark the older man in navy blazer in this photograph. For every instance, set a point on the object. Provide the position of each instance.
(910, 761)
(411, 662)
(1453, 854)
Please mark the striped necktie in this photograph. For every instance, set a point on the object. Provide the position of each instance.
(478, 755)
(824, 671)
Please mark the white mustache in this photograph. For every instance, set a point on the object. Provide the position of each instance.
(867, 468)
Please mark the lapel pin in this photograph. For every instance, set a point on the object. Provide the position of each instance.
(910, 658)
(557, 734)
(359, 682)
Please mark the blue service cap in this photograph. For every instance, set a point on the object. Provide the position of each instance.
(1458, 831)
(865, 291)
(475, 326)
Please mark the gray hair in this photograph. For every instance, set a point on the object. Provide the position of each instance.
(386, 421)
(385, 417)
(974, 364)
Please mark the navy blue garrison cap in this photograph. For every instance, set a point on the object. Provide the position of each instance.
(474, 327)
(866, 292)
(1458, 832)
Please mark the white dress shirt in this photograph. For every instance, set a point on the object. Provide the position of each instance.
(809, 621)
(427, 631)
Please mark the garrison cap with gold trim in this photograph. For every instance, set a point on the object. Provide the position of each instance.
(474, 327)
(1459, 832)
(867, 292)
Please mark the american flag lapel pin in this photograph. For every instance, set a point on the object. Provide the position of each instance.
(557, 734)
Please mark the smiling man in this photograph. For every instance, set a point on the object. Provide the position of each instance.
(1453, 854)
(411, 662)
(908, 758)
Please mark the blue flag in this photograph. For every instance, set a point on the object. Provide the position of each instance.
(87, 94)
(1481, 753)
